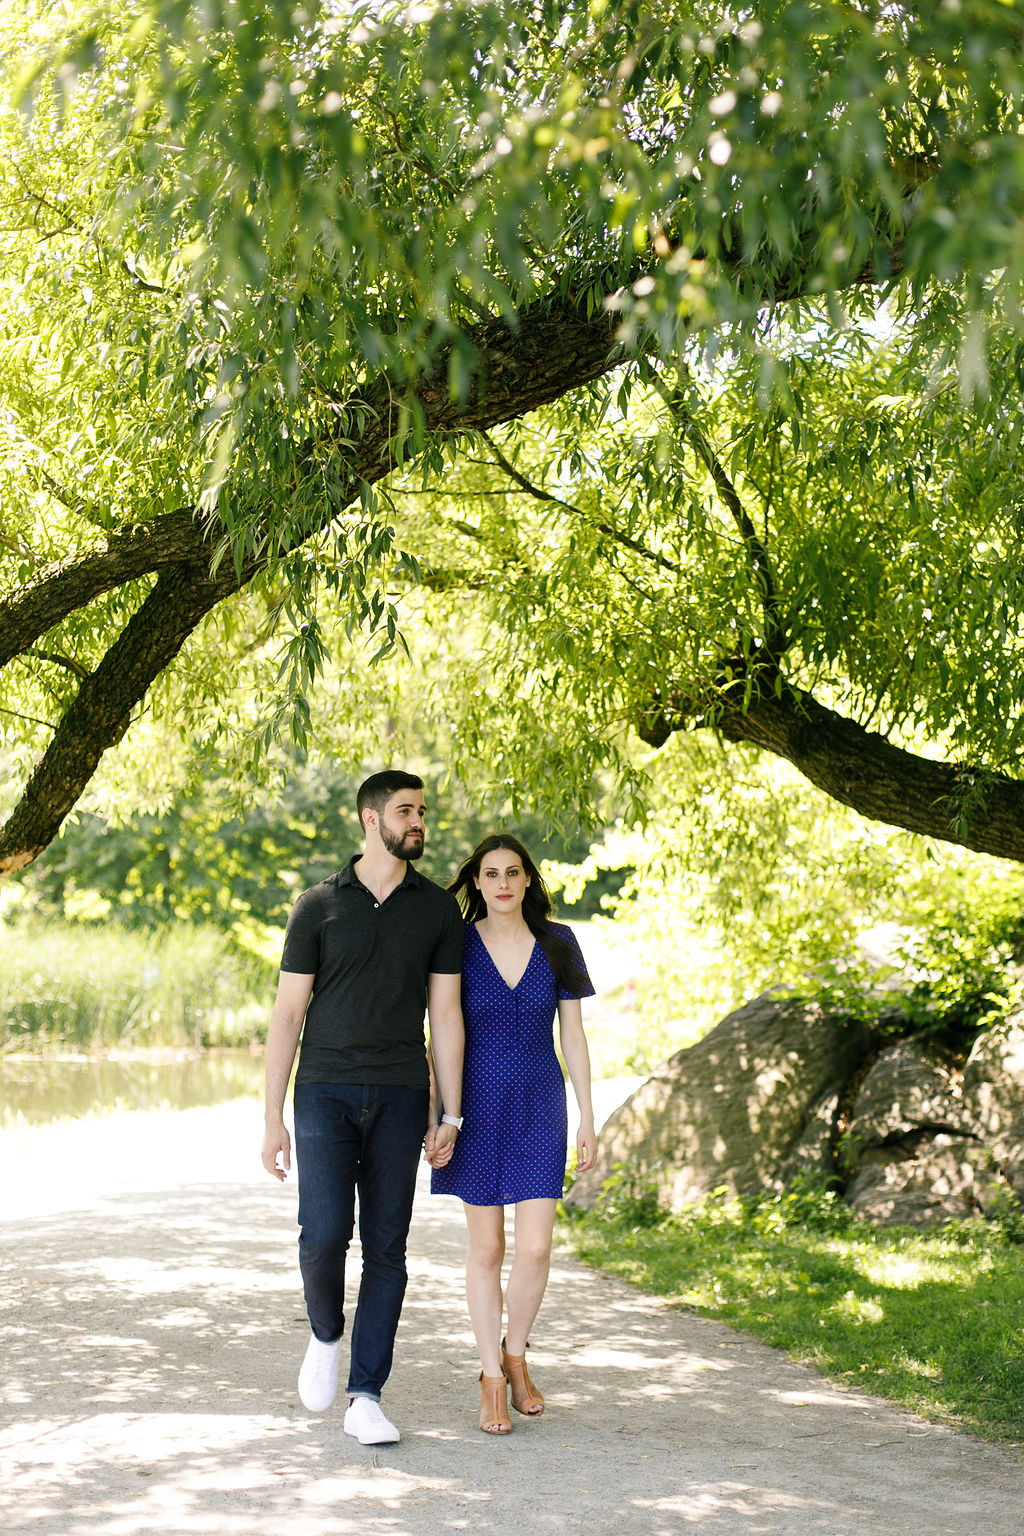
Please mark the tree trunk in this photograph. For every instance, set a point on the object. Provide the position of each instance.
(101, 712)
(551, 351)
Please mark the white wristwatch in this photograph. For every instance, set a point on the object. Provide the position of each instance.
(455, 1120)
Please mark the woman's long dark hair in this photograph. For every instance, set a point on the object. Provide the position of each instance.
(536, 907)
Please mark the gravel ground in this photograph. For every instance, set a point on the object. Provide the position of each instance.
(152, 1328)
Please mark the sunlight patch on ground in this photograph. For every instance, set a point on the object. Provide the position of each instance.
(735, 1498)
(856, 1309)
(146, 1277)
(904, 1271)
(383, 1485)
(145, 1438)
(818, 1399)
(624, 1359)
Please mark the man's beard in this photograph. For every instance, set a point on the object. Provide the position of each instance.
(395, 842)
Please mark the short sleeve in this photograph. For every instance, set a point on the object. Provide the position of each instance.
(302, 937)
(569, 939)
(446, 959)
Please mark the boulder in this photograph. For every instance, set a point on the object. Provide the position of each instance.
(780, 1088)
(917, 1186)
(914, 1150)
(745, 1108)
(993, 1096)
(904, 1092)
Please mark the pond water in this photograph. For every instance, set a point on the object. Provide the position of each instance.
(34, 1090)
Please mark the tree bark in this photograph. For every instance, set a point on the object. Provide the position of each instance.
(101, 712)
(953, 802)
(551, 351)
(72, 584)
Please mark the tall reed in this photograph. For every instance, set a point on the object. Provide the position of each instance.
(65, 986)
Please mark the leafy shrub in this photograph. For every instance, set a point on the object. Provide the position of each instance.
(808, 1204)
(628, 1199)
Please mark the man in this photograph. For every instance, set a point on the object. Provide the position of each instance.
(365, 951)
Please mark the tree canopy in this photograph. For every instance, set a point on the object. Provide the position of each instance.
(682, 348)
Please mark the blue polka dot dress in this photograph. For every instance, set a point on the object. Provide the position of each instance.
(513, 1144)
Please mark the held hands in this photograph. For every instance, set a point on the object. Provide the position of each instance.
(439, 1144)
(586, 1147)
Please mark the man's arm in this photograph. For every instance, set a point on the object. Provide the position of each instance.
(293, 994)
(447, 1044)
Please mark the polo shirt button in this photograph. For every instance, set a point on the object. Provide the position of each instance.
(376, 905)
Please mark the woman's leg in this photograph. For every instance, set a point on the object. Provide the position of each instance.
(535, 1224)
(485, 1251)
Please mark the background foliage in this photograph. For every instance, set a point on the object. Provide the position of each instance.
(260, 259)
(651, 373)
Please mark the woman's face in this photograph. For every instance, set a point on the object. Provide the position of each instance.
(502, 882)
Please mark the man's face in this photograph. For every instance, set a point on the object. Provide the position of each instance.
(402, 824)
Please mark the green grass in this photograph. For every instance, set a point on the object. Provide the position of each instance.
(67, 986)
(931, 1320)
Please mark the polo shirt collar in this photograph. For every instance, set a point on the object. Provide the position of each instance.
(348, 876)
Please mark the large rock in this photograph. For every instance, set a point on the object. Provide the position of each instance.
(912, 1147)
(993, 1096)
(918, 1186)
(745, 1108)
(904, 1092)
(780, 1088)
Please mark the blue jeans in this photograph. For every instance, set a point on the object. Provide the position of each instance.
(351, 1137)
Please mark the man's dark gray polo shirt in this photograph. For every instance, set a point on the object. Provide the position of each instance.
(370, 961)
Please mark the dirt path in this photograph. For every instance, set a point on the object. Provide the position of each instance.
(152, 1328)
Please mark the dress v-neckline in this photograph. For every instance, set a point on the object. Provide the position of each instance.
(494, 963)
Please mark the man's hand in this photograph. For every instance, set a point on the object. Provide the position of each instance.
(277, 1143)
(439, 1144)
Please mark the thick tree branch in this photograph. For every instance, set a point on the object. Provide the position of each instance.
(952, 802)
(102, 710)
(62, 589)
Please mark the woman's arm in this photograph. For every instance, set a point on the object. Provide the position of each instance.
(573, 1040)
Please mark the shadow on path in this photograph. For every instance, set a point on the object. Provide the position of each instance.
(152, 1327)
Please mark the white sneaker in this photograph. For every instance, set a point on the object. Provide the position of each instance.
(318, 1377)
(364, 1419)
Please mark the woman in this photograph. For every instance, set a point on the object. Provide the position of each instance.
(518, 968)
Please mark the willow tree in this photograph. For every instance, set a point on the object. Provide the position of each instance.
(261, 258)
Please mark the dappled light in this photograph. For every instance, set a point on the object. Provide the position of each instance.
(153, 1326)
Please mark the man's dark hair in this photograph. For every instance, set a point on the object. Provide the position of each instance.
(376, 791)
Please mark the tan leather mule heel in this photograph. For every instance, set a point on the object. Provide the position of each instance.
(525, 1397)
(494, 1419)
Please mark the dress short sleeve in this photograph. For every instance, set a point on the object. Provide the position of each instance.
(569, 939)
